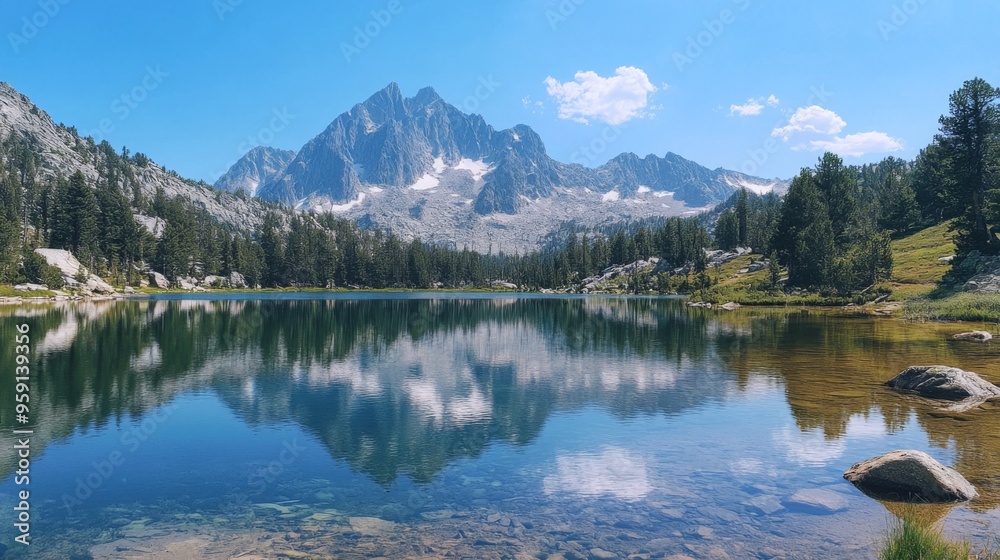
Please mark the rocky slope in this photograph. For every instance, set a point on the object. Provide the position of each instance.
(63, 152)
(259, 166)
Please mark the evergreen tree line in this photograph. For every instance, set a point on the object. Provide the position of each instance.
(832, 230)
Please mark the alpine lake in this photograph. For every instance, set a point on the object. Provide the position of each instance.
(379, 425)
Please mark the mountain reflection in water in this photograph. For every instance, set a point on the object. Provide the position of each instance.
(401, 388)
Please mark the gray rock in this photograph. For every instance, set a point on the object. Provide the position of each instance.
(186, 282)
(943, 382)
(910, 476)
(982, 271)
(236, 280)
(977, 336)
(729, 306)
(259, 166)
(71, 269)
(816, 500)
(765, 504)
(29, 287)
(602, 554)
(159, 280)
(215, 281)
(98, 286)
(129, 290)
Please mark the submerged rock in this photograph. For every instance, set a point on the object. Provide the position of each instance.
(815, 500)
(978, 336)
(910, 476)
(943, 382)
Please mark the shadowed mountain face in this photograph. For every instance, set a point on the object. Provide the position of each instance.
(393, 142)
(259, 166)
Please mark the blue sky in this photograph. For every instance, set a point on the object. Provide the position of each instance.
(756, 86)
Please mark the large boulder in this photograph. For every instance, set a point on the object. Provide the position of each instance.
(213, 281)
(976, 336)
(186, 282)
(98, 286)
(72, 269)
(159, 280)
(943, 382)
(236, 280)
(910, 476)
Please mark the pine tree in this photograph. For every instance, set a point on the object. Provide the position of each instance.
(970, 141)
(742, 211)
(839, 187)
(727, 230)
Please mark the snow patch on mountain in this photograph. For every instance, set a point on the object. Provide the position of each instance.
(326, 205)
(439, 166)
(427, 182)
(756, 188)
(478, 168)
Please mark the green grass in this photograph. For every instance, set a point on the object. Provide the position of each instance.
(916, 269)
(909, 540)
(9, 291)
(941, 306)
(916, 275)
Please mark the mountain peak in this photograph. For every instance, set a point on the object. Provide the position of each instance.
(386, 104)
(426, 96)
(257, 167)
(390, 91)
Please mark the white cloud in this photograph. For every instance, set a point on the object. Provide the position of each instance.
(536, 107)
(858, 144)
(809, 448)
(813, 120)
(815, 128)
(751, 108)
(613, 472)
(613, 100)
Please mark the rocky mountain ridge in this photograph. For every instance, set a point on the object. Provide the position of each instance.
(259, 166)
(62, 152)
(421, 167)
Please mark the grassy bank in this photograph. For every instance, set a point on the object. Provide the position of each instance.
(9, 291)
(915, 282)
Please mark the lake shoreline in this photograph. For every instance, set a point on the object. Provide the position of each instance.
(886, 309)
